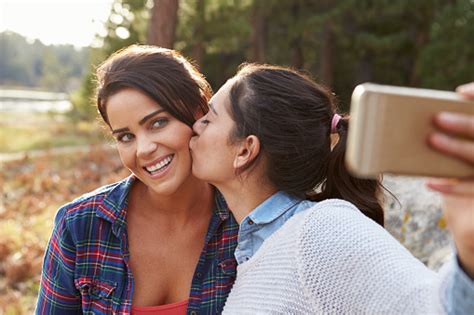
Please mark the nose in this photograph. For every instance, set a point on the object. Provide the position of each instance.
(196, 127)
(145, 146)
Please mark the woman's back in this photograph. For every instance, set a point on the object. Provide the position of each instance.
(336, 261)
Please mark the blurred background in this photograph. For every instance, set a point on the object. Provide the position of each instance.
(52, 147)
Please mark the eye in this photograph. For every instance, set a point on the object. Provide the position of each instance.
(125, 137)
(160, 122)
(205, 121)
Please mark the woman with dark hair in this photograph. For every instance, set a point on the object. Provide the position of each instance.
(311, 239)
(160, 241)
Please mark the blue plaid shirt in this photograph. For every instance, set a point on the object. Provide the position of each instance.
(86, 265)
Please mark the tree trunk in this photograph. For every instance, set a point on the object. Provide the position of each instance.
(198, 47)
(326, 66)
(258, 33)
(297, 56)
(163, 22)
(364, 73)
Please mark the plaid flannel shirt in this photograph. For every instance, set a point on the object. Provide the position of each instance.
(86, 264)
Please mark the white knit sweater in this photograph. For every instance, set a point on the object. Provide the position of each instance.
(331, 259)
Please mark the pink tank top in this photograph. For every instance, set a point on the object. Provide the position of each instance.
(178, 308)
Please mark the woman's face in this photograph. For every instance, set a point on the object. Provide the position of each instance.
(213, 154)
(152, 144)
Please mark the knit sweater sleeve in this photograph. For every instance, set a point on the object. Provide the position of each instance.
(349, 264)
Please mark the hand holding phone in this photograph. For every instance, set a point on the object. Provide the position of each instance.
(389, 129)
(457, 194)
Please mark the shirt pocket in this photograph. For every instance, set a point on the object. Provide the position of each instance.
(226, 274)
(228, 267)
(96, 295)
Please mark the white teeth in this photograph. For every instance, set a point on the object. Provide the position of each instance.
(159, 165)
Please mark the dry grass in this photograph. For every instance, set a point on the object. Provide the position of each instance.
(31, 192)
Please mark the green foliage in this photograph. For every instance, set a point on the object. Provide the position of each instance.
(448, 58)
(126, 25)
(426, 43)
(55, 68)
(45, 131)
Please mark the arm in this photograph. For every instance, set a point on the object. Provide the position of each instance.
(458, 194)
(458, 203)
(57, 292)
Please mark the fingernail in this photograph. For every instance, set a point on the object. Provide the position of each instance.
(466, 88)
(449, 117)
(442, 185)
(440, 139)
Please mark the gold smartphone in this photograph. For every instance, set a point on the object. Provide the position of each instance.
(389, 127)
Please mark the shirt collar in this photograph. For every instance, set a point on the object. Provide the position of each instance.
(221, 208)
(273, 207)
(113, 207)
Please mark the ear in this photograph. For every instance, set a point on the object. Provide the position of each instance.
(248, 149)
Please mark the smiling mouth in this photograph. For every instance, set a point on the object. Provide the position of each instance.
(159, 166)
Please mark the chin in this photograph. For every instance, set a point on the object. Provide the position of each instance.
(196, 173)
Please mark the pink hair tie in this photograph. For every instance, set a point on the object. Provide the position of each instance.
(334, 122)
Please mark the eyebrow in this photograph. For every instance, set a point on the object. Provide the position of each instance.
(120, 130)
(144, 119)
(211, 106)
(141, 122)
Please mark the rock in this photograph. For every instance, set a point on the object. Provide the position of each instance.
(416, 219)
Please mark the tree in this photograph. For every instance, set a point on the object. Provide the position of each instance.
(259, 35)
(164, 18)
(198, 49)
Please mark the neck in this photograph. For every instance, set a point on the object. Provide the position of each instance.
(243, 197)
(193, 198)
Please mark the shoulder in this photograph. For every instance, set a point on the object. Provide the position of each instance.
(336, 214)
(86, 206)
(336, 229)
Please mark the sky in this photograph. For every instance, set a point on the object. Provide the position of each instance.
(55, 21)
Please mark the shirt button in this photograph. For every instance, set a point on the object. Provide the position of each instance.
(193, 313)
(199, 275)
(250, 222)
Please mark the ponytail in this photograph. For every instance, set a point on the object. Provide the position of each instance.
(293, 118)
(363, 193)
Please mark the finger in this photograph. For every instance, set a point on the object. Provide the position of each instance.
(456, 124)
(466, 90)
(450, 186)
(459, 148)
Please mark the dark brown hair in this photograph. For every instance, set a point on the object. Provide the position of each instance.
(291, 116)
(162, 74)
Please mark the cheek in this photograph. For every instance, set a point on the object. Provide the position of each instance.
(126, 156)
(180, 139)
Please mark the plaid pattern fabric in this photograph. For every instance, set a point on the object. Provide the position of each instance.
(85, 269)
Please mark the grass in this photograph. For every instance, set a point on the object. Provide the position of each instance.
(32, 190)
(25, 132)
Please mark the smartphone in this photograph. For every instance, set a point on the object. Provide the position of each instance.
(389, 127)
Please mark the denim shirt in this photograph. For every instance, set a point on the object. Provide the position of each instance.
(269, 216)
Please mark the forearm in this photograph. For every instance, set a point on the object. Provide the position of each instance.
(457, 289)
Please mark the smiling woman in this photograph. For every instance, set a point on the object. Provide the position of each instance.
(152, 143)
(160, 239)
